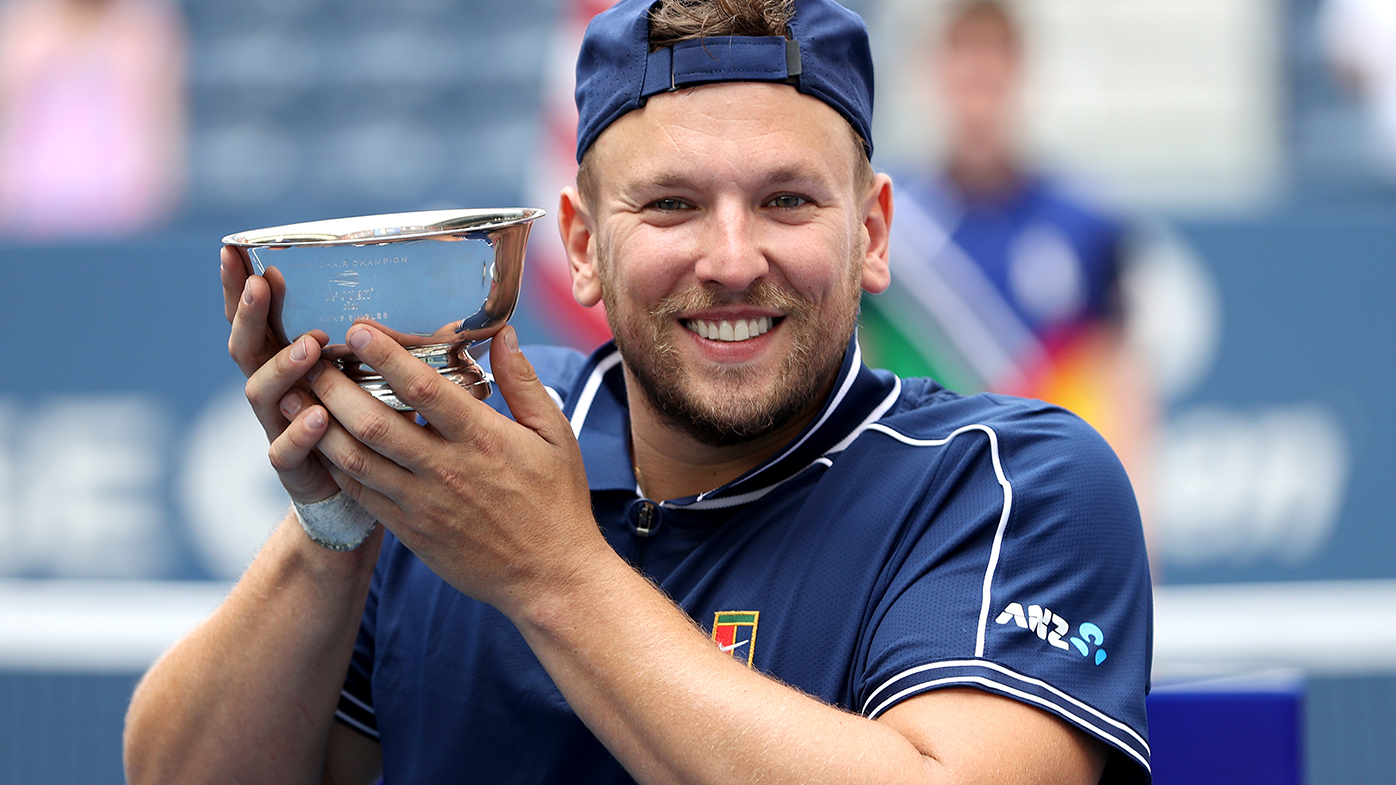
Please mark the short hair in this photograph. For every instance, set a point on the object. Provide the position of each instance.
(686, 20)
(673, 21)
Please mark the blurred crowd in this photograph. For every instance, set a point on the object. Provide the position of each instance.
(1359, 41)
(1039, 151)
(125, 113)
(92, 116)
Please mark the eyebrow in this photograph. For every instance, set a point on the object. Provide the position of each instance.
(786, 174)
(776, 177)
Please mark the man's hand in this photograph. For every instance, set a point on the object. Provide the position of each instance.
(498, 508)
(293, 422)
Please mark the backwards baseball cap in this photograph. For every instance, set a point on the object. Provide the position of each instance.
(826, 56)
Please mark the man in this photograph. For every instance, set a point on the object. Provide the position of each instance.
(735, 554)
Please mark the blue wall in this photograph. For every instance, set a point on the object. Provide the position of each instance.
(1307, 317)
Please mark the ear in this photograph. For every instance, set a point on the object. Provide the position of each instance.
(877, 223)
(578, 239)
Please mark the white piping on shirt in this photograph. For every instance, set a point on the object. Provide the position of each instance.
(356, 701)
(828, 412)
(876, 415)
(347, 720)
(1003, 516)
(557, 398)
(1031, 698)
(593, 383)
(994, 666)
(584, 401)
(579, 415)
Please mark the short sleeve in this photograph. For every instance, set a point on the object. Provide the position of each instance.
(1025, 576)
(355, 707)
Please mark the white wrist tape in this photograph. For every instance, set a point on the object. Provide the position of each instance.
(337, 523)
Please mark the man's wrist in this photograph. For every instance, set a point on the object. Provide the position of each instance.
(595, 582)
(337, 523)
(303, 558)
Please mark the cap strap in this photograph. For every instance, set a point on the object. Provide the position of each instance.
(731, 59)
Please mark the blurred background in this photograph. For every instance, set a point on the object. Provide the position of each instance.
(1176, 217)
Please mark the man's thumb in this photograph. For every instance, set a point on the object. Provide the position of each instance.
(528, 400)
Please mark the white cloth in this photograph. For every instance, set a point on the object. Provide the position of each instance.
(337, 523)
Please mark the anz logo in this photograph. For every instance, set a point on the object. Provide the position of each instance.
(1054, 629)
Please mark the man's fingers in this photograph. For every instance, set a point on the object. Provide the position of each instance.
(269, 383)
(367, 440)
(383, 509)
(233, 272)
(528, 400)
(250, 343)
(366, 475)
(439, 401)
(293, 454)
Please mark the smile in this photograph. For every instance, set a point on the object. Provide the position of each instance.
(725, 330)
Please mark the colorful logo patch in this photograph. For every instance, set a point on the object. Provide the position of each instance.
(1051, 627)
(735, 633)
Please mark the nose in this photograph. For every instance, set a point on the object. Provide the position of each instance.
(733, 257)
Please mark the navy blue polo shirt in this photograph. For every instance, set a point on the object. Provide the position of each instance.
(909, 539)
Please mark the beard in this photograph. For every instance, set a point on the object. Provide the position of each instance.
(740, 411)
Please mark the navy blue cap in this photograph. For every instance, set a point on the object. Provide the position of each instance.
(827, 57)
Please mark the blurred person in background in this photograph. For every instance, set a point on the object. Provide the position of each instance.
(1359, 38)
(1007, 282)
(92, 118)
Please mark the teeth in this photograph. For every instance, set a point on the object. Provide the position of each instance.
(731, 331)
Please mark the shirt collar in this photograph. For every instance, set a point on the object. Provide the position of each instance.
(600, 417)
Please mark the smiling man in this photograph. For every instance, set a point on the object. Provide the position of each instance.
(718, 550)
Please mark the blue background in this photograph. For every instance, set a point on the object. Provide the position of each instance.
(1305, 290)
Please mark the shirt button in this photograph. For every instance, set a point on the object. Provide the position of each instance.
(644, 517)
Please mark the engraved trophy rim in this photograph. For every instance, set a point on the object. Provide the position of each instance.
(384, 228)
(452, 360)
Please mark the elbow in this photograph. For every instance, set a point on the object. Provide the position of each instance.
(136, 753)
(146, 749)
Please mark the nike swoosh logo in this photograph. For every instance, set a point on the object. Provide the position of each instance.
(733, 646)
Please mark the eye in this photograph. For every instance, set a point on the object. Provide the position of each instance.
(668, 205)
(787, 202)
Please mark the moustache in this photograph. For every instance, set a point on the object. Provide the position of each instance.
(762, 294)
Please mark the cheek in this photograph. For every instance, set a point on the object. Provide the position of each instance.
(817, 265)
(655, 260)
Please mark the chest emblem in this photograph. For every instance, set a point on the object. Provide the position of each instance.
(735, 633)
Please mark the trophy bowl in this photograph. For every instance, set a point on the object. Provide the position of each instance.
(440, 282)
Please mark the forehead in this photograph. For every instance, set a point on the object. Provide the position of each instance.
(724, 130)
(985, 29)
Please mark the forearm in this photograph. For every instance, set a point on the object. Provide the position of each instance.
(673, 708)
(249, 695)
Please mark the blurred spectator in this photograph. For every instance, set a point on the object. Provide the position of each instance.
(1002, 280)
(91, 116)
(1359, 37)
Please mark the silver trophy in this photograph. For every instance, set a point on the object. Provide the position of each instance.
(440, 282)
